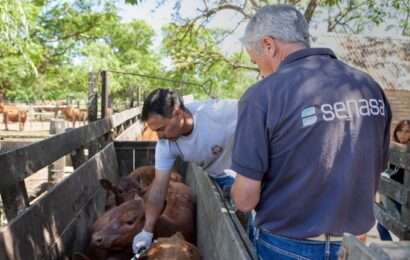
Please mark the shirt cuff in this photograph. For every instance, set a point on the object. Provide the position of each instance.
(249, 173)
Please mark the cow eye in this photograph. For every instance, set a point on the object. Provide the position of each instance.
(130, 222)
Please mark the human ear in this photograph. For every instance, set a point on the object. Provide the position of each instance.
(269, 46)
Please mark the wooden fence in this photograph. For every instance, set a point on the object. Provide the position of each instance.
(394, 211)
(18, 164)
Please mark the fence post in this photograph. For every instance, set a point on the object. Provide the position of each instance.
(56, 169)
(138, 96)
(104, 94)
(15, 199)
(92, 108)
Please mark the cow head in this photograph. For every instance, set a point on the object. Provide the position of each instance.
(115, 229)
(145, 175)
(126, 189)
(172, 248)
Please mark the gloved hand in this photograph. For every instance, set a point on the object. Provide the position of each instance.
(141, 241)
(230, 173)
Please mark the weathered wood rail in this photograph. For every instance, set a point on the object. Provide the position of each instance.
(353, 249)
(394, 212)
(58, 224)
(18, 164)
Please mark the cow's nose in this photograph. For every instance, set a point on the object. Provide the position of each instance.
(97, 239)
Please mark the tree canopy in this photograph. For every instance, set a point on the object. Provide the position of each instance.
(48, 47)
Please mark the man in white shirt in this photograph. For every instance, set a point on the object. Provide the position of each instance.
(199, 132)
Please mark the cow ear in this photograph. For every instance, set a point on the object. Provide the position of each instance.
(179, 236)
(137, 197)
(106, 184)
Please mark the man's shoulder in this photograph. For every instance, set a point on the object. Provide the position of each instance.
(213, 106)
(261, 89)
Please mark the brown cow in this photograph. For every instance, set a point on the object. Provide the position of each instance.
(83, 115)
(115, 229)
(71, 114)
(13, 114)
(172, 248)
(147, 134)
(137, 182)
(179, 213)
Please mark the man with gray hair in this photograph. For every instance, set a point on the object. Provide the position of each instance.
(311, 141)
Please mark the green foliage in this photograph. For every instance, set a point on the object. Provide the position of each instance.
(196, 58)
(50, 46)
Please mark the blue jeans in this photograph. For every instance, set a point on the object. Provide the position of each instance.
(383, 233)
(251, 225)
(224, 182)
(269, 246)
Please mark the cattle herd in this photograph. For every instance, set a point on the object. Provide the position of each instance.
(113, 231)
(19, 115)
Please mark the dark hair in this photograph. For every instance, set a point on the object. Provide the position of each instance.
(162, 102)
(400, 127)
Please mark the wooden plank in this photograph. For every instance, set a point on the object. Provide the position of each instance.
(20, 163)
(78, 157)
(393, 224)
(104, 94)
(92, 107)
(56, 169)
(218, 237)
(394, 250)
(58, 223)
(394, 190)
(130, 134)
(92, 97)
(399, 158)
(15, 200)
(133, 154)
(8, 145)
(355, 250)
(122, 117)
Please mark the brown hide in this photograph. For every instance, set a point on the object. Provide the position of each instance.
(71, 114)
(178, 214)
(13, 114)
(137, 182)
(147, 134)
(172, 248)
(83, 115)
(115, 229)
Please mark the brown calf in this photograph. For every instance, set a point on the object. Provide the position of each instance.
(137, 182)
(73, 114)
(13, 114)
(172, 248)
(178, 214)
(147, 134)
(115, 229)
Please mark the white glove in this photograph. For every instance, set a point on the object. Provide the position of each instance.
(230, 173)
(142, 241)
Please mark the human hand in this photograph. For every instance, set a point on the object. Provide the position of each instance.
(142, 241)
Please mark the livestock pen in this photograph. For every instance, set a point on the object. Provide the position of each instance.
(58, 224)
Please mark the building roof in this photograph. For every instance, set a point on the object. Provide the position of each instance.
(386, 59)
